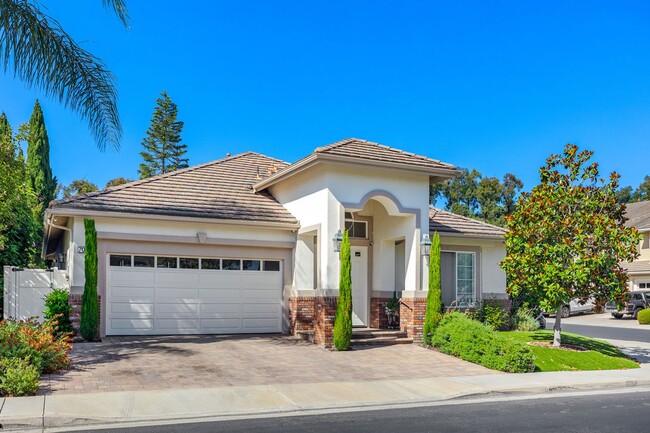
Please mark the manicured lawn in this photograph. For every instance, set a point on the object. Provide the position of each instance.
(600, 356)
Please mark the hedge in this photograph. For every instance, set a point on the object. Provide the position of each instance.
(644, 317)
(460, 336)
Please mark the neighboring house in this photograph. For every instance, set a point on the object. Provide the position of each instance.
(638, 215)
(245, 244)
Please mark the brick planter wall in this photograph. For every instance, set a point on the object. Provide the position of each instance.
(325, 310)
(75, 314)
(378, 317)
(302, 314)
(314, 314)
(412, 312)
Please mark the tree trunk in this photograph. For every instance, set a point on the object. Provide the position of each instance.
(556, 328)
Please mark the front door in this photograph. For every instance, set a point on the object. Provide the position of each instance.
(359, 285)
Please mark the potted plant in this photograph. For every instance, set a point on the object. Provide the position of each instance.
(392, 311)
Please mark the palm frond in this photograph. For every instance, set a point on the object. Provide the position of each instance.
(42, 55)
(119, 7)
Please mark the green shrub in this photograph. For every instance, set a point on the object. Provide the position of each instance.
(58, 309)
(36, 343)
(89, 321)
(644, 317)
(492, 314)
(460, 336)
(18, 377)
(434, 296)
(343, 319)
(524, 320)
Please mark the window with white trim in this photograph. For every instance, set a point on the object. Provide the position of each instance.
(644, 285)
(465, 278)
(356, 229)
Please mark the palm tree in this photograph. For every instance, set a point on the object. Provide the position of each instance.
(45, 57)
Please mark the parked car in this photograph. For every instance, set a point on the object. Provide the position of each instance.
(634, 302)
(576, 306)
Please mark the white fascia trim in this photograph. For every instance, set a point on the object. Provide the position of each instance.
(126, 215)
(351, 161)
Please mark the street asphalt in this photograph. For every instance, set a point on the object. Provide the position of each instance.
(604, 327)
(581, 413)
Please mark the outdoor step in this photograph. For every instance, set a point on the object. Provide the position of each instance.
(381, 341)
(376, 333)
(305, 335)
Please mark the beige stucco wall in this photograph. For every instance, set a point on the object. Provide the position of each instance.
(491, 277)
(321, 194)
(171, 232)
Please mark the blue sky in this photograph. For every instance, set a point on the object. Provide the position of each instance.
(491, 85)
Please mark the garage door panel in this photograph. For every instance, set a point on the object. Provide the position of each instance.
(219, 279)
(261, 279)
(150, 301)
(176, 278)
(130, 308)
(132, 292)
(258, 325)
(131, 324)
(171, 325)
(262, 311)
(131, 277)
(220, 310)
(221, 325)
(184, 309)
(176, 293)
(257, 295)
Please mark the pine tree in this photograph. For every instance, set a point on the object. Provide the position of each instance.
(38, 159)
(434, 296)
(163, 150)
(343, 319)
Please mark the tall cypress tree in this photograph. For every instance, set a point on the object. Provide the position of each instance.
(433, 312)
(343, 319)
(163, 151)
(38, 159)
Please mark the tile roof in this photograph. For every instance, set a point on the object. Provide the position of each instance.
(637, 267)
(445, 222)
(638, 215)
(370, 151)
(220, 189)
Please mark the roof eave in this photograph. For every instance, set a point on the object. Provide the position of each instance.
(438, 174)
(86, 212)
(469, 235)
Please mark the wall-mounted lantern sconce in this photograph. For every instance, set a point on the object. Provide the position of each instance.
(337, 239)
(425, 245)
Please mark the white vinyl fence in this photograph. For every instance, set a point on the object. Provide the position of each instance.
(25, 290)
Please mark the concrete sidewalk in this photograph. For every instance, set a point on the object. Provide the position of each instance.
(185, 404)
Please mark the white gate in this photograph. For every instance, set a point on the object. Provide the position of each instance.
(25, 290)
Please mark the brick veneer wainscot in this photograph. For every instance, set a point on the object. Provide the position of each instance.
(75, 315)
(378, 318)
(314, 314)
(412, 312)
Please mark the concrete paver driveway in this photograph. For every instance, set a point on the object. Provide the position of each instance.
(149, 363)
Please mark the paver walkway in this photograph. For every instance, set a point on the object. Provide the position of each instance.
(151, 363)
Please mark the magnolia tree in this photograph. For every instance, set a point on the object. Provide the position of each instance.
(567, 237)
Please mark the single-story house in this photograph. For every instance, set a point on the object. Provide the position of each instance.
(245, 244)
(638, 215)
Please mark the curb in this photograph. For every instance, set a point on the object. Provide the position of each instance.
(43, 421)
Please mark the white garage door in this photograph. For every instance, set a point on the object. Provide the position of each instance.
(160, 295)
